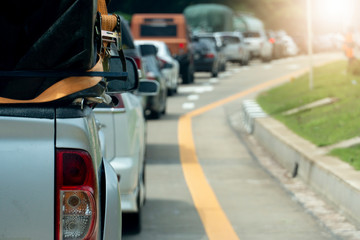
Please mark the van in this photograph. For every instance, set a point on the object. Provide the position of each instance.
(171, 29)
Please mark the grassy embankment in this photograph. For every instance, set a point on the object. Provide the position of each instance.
(327, 124)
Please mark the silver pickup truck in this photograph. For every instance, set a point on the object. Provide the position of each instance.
(54, 182)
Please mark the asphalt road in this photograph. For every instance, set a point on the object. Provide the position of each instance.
(202, 181)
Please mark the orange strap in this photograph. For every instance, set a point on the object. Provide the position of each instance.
(108, 22)
(101, 7)
(63, 88)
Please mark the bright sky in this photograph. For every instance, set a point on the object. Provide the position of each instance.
(335, 11)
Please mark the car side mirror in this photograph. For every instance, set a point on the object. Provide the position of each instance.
(148, 88)
(167, 65)
(120, 85)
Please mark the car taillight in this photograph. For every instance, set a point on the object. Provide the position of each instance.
(162, 61)
(209, 55)
(75, 203)
(137, 61)
(150, 76)
(117, 101)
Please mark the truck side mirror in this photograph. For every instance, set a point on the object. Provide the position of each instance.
(121, 85)
(148, 88)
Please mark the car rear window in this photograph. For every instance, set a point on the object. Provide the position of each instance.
(210, 38)
(208, 42)
(159, 30)
(230, 39)
(251, 34)
(151, 64)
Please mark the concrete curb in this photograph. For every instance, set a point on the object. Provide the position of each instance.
(332, 178)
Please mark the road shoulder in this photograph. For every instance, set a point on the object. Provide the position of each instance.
(335, 181)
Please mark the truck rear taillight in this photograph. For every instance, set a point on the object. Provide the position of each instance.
(75, 203)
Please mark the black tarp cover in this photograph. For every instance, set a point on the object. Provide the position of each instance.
(44, 35)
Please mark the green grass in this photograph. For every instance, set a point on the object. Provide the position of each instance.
(350, 155)
(324, 125)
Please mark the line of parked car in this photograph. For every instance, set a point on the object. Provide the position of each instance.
(122, 125)
(164, 52)
(182, 53)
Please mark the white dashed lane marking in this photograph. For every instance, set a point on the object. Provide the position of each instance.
(193, 97)
(196, 89)
(188, 105)
(225, 74)
(213, 80)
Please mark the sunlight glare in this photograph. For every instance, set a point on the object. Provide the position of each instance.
(335, 10)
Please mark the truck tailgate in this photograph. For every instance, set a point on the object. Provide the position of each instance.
(27, 178)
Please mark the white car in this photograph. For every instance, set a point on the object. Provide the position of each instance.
(234, 47)
(123, 131)
(291, 48)
(170, 66)
(258, 45)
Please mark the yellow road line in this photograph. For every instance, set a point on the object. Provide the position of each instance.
(217, 225)
(215, 222)
(244, 93)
